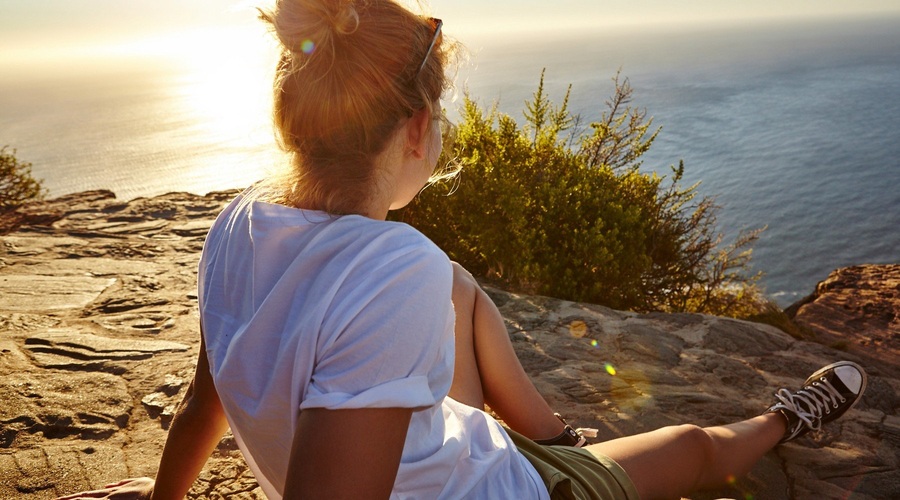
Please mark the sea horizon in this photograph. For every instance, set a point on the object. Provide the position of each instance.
(789, 126)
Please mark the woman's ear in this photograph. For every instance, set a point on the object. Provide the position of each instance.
(417, 133)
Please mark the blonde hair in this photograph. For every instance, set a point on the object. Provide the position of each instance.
(349, 72)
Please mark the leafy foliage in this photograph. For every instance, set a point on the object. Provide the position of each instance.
(547, 209)
(16, 182)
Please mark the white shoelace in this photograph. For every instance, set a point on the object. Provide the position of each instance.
(819, 398)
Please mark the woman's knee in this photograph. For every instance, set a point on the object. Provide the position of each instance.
(664, 462)
(700, 443)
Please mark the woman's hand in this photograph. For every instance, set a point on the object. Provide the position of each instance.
(139, 488)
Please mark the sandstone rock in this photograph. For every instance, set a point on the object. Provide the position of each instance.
(70, 350)
(86, 345)
(159, 405)
(99, 336)
(46, 293)
(147, 322)
(857, 310)
(47, 406)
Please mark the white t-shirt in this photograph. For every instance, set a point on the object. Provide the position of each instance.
(301, 309)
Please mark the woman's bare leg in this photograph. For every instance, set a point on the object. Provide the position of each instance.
(676, 460)
(661, 463)
(487, 369)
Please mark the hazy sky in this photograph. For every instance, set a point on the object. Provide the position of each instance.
(32, 29)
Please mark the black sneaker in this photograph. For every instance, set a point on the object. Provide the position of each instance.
(826, 395)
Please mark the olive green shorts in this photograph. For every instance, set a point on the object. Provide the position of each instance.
(574, 473)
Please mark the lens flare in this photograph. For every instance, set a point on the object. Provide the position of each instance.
(307, 46)
(578, 329)
(732, 481)
(594, 343)
(610, 369)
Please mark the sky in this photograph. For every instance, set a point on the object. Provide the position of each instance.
(37, 30)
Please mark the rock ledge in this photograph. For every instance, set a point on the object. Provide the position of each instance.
(99, 337)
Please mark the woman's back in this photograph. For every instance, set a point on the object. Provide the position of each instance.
(304, 310)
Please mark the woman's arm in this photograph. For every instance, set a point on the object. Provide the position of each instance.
(487, 369)
(196, 430)
(346, 453)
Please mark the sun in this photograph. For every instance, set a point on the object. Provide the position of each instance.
(227, 81)
(221, 96)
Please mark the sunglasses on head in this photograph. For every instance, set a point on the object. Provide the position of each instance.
(437, 23)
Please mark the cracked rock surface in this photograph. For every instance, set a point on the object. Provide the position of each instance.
(99, 337)
(98, 342)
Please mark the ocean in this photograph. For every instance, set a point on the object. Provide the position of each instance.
(793, 126)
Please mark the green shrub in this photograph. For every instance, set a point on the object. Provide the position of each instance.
(16, 182)
(546, 209)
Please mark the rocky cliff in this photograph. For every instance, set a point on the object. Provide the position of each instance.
(98, 337)
(857, 309)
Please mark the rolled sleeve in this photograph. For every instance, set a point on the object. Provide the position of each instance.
(412, 392)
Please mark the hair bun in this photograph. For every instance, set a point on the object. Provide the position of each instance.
(346, 20)
(301, 24)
